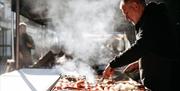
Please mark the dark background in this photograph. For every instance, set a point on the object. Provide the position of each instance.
(25, 9)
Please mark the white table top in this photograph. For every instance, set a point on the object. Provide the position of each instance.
(28, 80)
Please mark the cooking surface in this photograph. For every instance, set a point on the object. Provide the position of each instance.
(72, 83)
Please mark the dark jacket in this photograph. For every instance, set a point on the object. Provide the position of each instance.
(25, 45)
(157, 48)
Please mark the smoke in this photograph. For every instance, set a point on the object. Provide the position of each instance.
(77, 68)
(82, 27)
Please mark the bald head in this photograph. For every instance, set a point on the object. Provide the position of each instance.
(137, 1)
(132, 9)
(141, 2)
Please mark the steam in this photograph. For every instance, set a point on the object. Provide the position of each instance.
(82, 27)
(77, 68)
(81, 24)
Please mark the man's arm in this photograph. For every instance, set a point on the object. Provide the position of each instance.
(131, 55)
(30, 42)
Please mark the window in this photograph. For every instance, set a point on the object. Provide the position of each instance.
(5, 43)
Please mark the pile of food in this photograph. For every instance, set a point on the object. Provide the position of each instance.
(72, 83)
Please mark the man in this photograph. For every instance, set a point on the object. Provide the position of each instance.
(157, 45)
(25, 46)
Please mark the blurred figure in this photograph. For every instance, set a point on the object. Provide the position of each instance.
(26, 43)
(118, 43)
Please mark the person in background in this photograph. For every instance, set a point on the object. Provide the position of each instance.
(26, 44)
(157, 46)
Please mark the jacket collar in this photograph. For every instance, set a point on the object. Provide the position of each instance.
(147, 10)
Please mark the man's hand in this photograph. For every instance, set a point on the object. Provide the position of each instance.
(29, 45)
(108, 72)
(133, 67)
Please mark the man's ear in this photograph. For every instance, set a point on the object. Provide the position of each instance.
(135, 6)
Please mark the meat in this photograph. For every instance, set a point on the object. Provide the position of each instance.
(72, 83)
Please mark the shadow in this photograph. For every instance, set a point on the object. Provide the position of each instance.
(27, 81)
(33, 71)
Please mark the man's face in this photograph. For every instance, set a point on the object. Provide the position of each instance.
(22, 28)
(131, 12)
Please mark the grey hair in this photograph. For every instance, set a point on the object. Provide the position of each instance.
(22, 23)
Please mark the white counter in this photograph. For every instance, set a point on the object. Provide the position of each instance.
(28, 80)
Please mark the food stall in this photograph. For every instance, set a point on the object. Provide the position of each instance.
(51, 79)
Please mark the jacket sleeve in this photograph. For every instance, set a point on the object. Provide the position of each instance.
(29, 41)
(133, 54)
